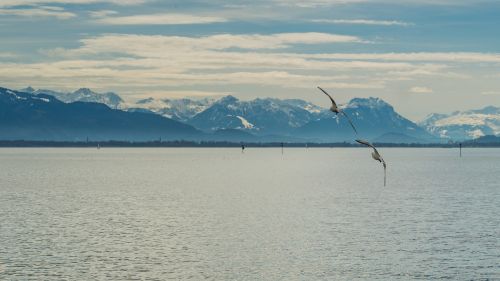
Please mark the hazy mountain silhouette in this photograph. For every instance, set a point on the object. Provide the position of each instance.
(229, 118)
(43, 117)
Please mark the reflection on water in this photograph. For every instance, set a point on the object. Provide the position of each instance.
(315, 214)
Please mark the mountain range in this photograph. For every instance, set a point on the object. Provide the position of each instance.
(26, 116)
(260, 117)
(84, 95)
(463, 125)
(373, 118)
(84, 113)
(177, 109)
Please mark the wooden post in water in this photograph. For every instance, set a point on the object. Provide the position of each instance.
(460, 145)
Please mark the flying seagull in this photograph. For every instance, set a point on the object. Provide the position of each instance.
(334, 108)
(375, 155)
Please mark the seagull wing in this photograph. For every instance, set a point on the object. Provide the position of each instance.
(370, 145)
(350, 122)
(363, 142)
(328, 96)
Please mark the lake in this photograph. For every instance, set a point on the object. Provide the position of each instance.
(219, 214)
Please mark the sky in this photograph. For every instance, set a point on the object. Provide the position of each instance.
(421, 56)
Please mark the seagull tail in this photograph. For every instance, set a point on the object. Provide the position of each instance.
(385, 176)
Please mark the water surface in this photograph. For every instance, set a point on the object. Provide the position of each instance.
(218, 214)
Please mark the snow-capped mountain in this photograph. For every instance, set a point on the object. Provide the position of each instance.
(26, 116)
(177, 109)
(462, 125)
(8, 96)
(295, 119)
(84, 95)
(372, 117)
(260, 116)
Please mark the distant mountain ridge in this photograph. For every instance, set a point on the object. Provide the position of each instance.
(372, 117)
(83, 95)
(27, 116)
(488, 139)
(270, 119)
(177, 109)
(260, 116)
(463, 125)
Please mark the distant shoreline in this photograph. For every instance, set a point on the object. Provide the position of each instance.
(221, 144)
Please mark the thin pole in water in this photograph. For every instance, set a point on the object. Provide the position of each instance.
(460, 145)
(282, 148)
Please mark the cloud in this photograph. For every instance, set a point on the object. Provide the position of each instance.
(316, 3)
(70, 73)
(7, 55)
(326, 3)
(165, 46)
(153, 61)
(160, 19)
(464, 57)
(148, 63)
(14, 3)
(102, 13)
(491, 93)
(433, 70)
(421, 90)
(181, 94)
(362, 22)
(43, 11)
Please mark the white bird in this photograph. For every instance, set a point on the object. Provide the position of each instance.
(334, 108)
(376, 155)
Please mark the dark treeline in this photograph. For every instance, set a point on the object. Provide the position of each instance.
(183, 143)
